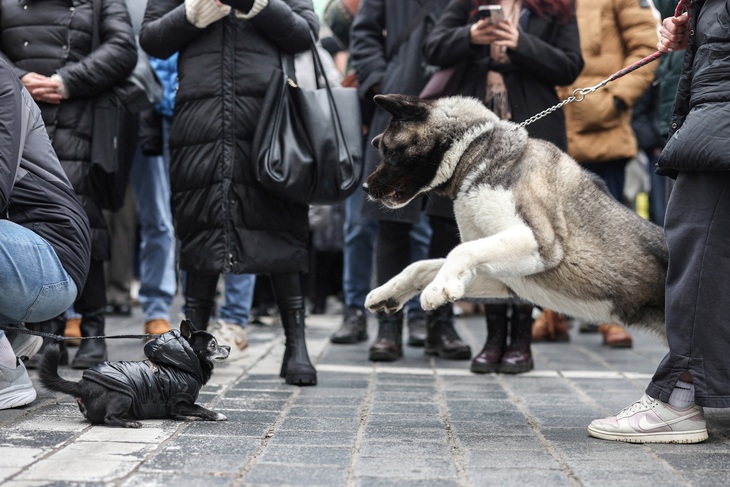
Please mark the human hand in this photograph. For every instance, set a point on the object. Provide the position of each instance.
(674, 34)
(42, 88)
(482, 32)
(508, 35)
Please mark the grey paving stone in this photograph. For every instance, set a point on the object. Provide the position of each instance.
(275, 475)
(404, 482)
(180, 479)
(518, 477)
(315, 438)
(517, 459)
(307, 456)
(323, 411)
(203, 455)
(406, 448)
(405, 466)
(226, 428)
(320, 424)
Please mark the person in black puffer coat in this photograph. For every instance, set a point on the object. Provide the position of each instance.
(227, 222)
(49, 46)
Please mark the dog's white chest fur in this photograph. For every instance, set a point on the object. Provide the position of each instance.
(488, 216)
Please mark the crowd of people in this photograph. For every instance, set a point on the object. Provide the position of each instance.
(198, 213)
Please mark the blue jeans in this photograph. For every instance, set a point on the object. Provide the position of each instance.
(34, 286)
(150, 179)
(360, 234)
(239, 296)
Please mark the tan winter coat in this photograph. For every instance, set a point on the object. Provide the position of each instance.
(613, 34)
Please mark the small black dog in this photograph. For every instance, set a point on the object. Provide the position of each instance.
(166, 385)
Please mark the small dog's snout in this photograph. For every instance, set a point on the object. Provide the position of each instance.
(365, 188)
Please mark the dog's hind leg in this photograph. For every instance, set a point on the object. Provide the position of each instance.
(182, 410)
(393, 295)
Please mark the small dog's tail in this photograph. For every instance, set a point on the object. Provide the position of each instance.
(48, 373)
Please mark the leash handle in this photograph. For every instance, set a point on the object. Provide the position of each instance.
(59, 338)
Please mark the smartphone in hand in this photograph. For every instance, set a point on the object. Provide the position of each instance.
(494, 13)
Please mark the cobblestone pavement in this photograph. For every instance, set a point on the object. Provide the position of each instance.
(416, 422)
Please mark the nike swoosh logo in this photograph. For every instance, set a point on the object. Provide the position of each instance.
(645, 425)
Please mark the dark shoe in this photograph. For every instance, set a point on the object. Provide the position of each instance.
(93, 351)
(550, 326)
(518, 356)
(417, 326)
(490, 357)
(442, 339)
(388, 345)
(354, 327)
(296, 368)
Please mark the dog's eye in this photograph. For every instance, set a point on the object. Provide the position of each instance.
(212, 345)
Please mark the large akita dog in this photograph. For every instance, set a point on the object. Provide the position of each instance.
(533, 223)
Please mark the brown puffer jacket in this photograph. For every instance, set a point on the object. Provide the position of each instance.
(613, 34)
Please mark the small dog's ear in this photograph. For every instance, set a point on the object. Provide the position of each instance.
(187, 328)
(403, 107)
(376, 141)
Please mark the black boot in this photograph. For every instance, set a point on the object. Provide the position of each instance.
(354, 327)
(417, 328)
(490, 357)
(55, 326)
(91, 352)
(518, 357)
(388, 345)
(442, 339)
(296, 368)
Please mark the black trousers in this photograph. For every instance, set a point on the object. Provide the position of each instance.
(697, 229)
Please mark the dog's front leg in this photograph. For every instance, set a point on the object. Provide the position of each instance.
(511, 253)
(185, 409)
(393, 295)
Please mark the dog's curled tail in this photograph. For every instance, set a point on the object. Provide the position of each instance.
(48, 373)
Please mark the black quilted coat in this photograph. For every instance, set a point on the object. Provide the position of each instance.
(225, 221)
(54, 36)
(171, 375)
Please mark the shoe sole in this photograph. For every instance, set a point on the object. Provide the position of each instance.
(416, 342)
(17, 396)
(301, 380)
(460, 355)
(486, 369)
(696, 436)
(515, 369)
(384, 356)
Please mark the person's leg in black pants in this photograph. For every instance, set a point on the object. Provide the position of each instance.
(296, 368)
(200, 298)
(392, 255)
(441, 336)
(90, 305)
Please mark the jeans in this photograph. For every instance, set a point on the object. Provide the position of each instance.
(360, 235)
(239, 296)
(34, 286)
(150, 179)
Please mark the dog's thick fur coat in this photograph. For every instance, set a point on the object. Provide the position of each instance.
(533, 223)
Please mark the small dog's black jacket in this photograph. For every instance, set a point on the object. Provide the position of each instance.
(172, 374)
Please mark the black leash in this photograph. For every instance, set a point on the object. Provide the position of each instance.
(59, 338)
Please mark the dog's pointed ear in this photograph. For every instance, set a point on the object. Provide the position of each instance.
(186, 329)
(403, 107)
(376, 141)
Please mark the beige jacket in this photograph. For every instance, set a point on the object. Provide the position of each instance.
(613, 34)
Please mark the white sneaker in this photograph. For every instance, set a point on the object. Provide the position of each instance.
(229, 334)
(651, 421)
(16, 389)
(24, 345)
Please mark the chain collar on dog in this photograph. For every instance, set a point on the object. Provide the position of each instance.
(59, 338)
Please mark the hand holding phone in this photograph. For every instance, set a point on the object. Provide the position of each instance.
(493, 13)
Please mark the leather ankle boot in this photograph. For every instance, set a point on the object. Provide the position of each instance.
(296, 368)
(490, 357)
(441, 336)
(518, 356)
(91, 352)
(388, 345)
(55, 326)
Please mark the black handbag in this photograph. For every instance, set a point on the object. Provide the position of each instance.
(307, 147)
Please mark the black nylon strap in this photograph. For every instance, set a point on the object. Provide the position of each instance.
(59, 338)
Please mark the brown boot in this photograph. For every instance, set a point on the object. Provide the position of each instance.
(490, 357)
(73, 330)
(615, 335)
(550, 326)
